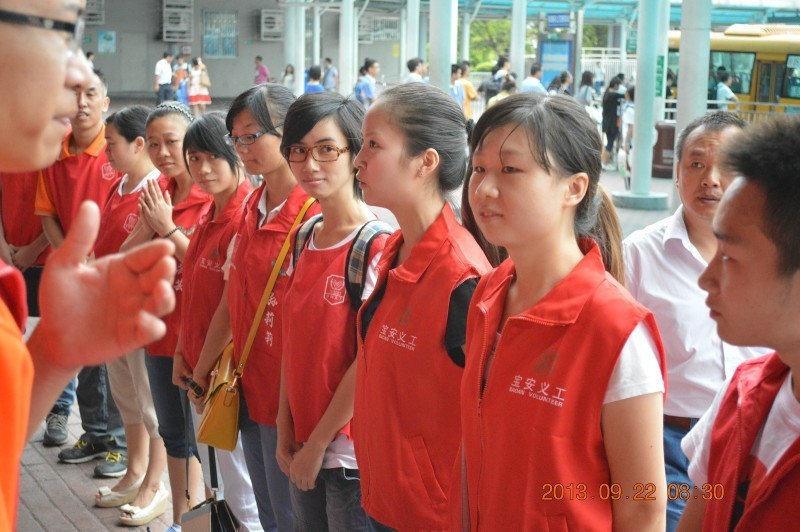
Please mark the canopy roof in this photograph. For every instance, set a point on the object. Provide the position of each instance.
(723, 12)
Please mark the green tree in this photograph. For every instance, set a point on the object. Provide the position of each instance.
(489, 39)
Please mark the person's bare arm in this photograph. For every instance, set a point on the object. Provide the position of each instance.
(25, 256)
(307, 462)
(693, 513)
(634, 443)
(53, 231)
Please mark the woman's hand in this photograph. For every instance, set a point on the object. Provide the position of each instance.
(179, 371)
(286, 447)
(155, 208)
(305, 466)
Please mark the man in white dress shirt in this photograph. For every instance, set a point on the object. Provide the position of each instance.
(663, 263)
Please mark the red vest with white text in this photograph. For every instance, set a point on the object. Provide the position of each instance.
(186, 214)
(319, 333)
(203, 279)
(254, 253)
(771, 504)
(537, 421)
(406, 426)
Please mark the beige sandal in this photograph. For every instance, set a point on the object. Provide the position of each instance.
(135, 516)
(107, 498)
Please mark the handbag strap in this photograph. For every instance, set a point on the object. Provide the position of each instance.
(273, 278)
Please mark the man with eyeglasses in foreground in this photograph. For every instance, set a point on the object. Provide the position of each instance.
(90, 312)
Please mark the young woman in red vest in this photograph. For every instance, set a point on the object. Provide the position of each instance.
(562, 394)
(126, 148)
(321, 137)
(255, 124)
(217, 171)
(169, 208)
(412, 328)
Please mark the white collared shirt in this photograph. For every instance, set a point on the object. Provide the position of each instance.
(152, 175)
(662, 268)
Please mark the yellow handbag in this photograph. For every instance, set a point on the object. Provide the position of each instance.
(219, 426)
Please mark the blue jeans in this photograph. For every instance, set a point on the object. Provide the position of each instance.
(676, 467)
(170, 403)
(333, 504)
(270, 485)
(100, 418)
(165, 93)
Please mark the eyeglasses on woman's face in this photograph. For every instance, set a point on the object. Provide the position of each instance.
(323, 153)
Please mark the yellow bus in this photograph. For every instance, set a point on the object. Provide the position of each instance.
(762, 59)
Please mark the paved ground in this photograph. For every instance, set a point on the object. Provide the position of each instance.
(60, 497)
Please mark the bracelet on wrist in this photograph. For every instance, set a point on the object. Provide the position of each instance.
(169, 233)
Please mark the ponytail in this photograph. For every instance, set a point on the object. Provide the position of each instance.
(607, 232)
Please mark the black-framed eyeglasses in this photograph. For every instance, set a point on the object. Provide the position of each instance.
(75, 29)
(247, 140)
(323, 153)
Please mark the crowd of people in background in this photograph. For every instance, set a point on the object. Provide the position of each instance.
(504, 369)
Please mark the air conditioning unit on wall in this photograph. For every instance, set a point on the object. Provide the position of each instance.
(272, 23)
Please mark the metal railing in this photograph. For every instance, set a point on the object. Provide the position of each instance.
(750, 112)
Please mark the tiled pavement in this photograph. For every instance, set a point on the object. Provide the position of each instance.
(59, 497)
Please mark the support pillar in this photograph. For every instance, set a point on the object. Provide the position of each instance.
(299, 49)
(466, 26)
(623, 45)
(661, 58)
(442, 42)
(576, 68)
(640, 197)
(519, 21)
(316, 37)
(412, 31)
(422, 48)
(695, 48)
(348, 67)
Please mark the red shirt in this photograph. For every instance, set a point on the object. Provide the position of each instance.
(15, 394)
(406, 424)
(203, 276)
(20, 223)
(186, 214)
(315, 358)
(73, 179)
(772, 503)
(119, 217)
(254, 253)
(537, 419)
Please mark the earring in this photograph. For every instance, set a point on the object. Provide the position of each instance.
(419, 173)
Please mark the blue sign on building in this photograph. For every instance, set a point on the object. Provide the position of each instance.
(557, 21)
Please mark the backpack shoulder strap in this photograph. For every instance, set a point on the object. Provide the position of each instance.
(302, 236)
(358, 259)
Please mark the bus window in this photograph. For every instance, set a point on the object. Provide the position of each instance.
(791, 85)
(738, 64)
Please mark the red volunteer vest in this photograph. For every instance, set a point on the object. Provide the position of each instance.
(772, 504)
(538, 421)
(203, 280)
(15, 395)
(319, 334)
(20, 223)
(73, 179)
(186, 214)
(118, 218)
(406, 422)
(256, 249)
